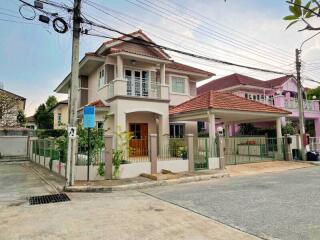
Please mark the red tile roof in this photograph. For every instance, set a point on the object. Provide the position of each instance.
(238, 79)
(278, 81)
(138, 34)
(230, 81)
(183, 67)
(225, 101)
(97, 103)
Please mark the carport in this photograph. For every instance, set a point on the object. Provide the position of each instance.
(229, 109)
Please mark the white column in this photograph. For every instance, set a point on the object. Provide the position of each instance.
(119, 67)
(279, 136)
(163, 131)
(212, 125)
(120, 124)
(278, 126)
(227, 130)
(163, 74)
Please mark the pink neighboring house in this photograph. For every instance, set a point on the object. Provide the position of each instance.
(280, 92)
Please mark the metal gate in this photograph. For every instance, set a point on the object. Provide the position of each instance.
(204, 148)
(240, 150)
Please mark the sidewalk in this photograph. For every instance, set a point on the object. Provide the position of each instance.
(143, 182)
(265, 167)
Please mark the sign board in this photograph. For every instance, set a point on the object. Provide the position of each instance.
(89, 117)
(72, 132)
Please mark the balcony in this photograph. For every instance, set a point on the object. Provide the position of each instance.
(309, 105)
(144, 89)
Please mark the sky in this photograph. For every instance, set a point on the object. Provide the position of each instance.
(34, 58)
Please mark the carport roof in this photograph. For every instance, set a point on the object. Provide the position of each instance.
(212, 100)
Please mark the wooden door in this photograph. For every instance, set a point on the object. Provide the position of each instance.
(139, 142)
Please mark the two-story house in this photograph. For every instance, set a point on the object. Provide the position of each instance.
(60, 115)
(136, 85)
(10, 105)
(280, 92)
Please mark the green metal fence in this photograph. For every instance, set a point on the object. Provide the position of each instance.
(204, 148)
(240, 150)
(48, 148)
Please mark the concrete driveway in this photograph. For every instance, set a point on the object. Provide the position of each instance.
(118, 216)
(19, 181)
(282, 205)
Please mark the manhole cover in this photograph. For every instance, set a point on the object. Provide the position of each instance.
(62, 197)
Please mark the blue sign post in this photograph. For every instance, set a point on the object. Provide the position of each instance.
(89, 121)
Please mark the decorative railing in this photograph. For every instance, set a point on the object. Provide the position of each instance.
(144, 89)
(307, 104)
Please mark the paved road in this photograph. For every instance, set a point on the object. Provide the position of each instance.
(282, 205)
(118, 216)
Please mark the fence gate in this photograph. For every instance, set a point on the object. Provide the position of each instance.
(240, 150)
(201, 153)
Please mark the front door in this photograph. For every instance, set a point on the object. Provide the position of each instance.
(139, 142)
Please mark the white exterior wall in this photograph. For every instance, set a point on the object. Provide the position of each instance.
(173, 165)
(13, 145)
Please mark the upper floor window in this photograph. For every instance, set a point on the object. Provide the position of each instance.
(101, 79)
(178, 85)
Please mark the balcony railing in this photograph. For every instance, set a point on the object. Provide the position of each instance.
(145, 90)
(309, 105)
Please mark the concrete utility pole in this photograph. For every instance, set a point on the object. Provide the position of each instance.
(74, 92)
(300, 103)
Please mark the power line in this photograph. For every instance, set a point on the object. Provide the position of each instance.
(223, 27)
(207, 33)
(213, 31)
(142, 42)
(100, 8)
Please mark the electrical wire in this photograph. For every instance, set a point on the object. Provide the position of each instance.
(100, 8)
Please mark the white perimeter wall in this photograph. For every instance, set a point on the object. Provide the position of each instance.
(13, 145)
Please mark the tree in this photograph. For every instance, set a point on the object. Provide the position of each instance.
(8, 110)
(303, 12)
(21, 118)
(314, 92)
(44, 115)
(51, 102)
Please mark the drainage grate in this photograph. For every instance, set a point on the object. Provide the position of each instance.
(62, 197)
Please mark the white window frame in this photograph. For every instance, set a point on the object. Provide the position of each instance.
(148, 82)
(102, 81)
(186, 85)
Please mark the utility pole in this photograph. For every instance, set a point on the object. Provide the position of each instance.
(74, 92)
(300, 103)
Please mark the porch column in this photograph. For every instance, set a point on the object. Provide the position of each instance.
(163, 74)
(120, 124)
(119, 67)
(227, 130)
(212, 125)
(164, 94)
(163, 130)
(279, 135)
(317, 127)
(108, 156)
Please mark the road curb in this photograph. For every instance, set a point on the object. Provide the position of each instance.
(135, 186)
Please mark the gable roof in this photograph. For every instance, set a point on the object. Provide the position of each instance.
(13, 94)
(239, 79)
(278, 81)
(63, 102)
(97, 103)
(135, 46)
(225, 101)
